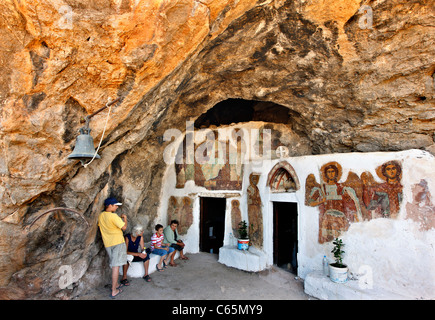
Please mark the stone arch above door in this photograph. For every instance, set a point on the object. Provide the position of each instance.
(283, 178)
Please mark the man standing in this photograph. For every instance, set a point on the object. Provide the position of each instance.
(112, 227)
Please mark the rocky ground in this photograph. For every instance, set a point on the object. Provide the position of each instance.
(352, 79)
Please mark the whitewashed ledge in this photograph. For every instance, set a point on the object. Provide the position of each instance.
(250, 260)
(137, 269)
(320, 286)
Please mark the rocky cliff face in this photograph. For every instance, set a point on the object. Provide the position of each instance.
(355, 77)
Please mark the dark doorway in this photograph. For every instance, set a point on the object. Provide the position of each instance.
(285, 235)
(212, 224)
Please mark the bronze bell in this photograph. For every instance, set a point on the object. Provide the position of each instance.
(84, 148)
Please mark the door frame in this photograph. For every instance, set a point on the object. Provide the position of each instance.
(274, 230)
(201, 218)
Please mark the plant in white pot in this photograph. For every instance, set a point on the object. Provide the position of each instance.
(338, 270)
(243, 240)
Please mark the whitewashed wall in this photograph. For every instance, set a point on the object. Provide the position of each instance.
(397, 253)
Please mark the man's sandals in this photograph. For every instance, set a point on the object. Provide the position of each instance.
(125, 282)
(113, 296)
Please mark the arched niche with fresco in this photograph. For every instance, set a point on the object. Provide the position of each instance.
(283, 178)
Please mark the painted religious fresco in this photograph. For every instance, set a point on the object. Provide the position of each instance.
(383, 199)
(236, 216)
(184, 170)
(283, 178)
(354, 200)
(222, 173)
(220, 166)
(217, 158)
(255, 216)
(421, 209)
(181, 209)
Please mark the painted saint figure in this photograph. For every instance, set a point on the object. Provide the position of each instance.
(254, 212)
(383, 198)
(338, 202)
(181, 209)
(421, 208)
(236, 216)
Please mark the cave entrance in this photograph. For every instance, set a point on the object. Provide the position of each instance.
(212, 224)
(239, 110)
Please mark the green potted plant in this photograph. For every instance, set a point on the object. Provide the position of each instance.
(338, 270)
(243, 240)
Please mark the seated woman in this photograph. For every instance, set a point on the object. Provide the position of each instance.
(135, 247)
(158, 248)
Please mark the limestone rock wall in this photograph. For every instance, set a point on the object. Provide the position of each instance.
(350, 85)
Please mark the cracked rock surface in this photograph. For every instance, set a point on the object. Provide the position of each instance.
(350, 85)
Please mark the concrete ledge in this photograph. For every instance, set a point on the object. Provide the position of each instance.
(250, 260)
(321, 287)
(137, 269)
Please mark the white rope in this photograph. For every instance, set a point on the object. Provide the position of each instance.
(101, 140)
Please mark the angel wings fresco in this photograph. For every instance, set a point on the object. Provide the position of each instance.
(355, 200)
(338, 203)
(383, 199)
